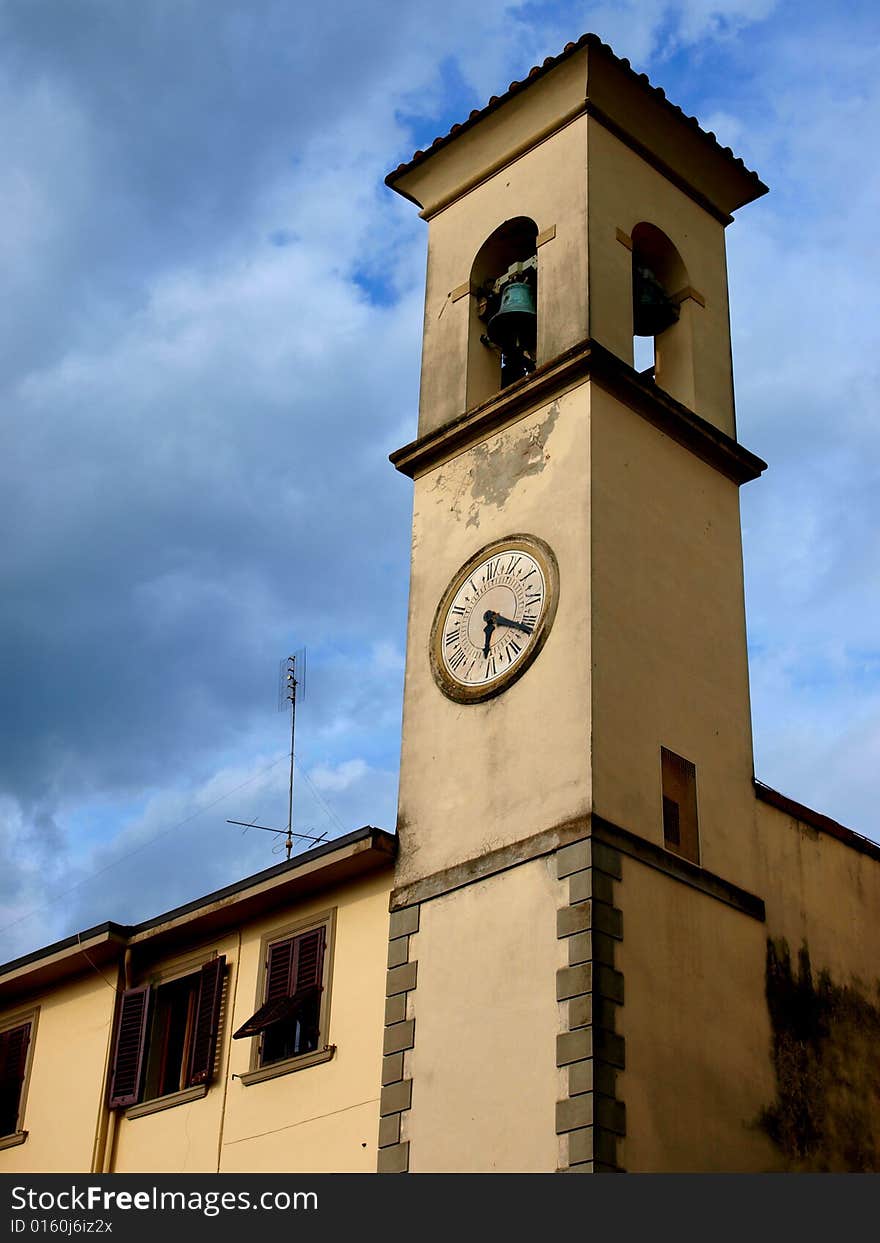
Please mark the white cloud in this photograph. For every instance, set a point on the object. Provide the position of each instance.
(341, 777)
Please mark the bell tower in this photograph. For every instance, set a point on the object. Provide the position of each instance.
(576, 681)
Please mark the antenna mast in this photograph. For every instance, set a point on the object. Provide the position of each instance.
(291, 684)
(287, 684)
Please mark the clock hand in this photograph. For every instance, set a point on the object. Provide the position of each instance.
(489, 618)
(506, 621)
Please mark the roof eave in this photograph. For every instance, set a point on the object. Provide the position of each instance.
(336, 862)
(742, 185)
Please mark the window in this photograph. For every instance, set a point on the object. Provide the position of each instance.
(292, 1020)
(166, 1036)
(680, 828)
(15, 1049)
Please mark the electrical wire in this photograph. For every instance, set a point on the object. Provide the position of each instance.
(63, 893)
(314, 789)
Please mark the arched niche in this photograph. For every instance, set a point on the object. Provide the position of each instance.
(509, 253)
(660, 281)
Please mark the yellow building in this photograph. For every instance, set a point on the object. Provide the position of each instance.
(134, 1058)
(609, 947)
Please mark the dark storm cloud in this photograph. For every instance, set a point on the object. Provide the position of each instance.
(209, 342)
(199, 392)
(189, 409)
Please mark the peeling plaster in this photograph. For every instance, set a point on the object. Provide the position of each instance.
(495, 470)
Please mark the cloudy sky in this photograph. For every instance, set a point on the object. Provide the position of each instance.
(210, 334)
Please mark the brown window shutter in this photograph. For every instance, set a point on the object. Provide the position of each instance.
(309, 960)
(279, 982)
(13, 1059)
(671, 822)
(681, 832)
(279, 970)
(126, 1071)
(294, 970)
(207, 1022)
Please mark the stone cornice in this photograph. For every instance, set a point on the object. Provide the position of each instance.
(672, 865)
(587, 360)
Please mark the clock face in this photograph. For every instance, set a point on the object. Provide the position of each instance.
(494, 618)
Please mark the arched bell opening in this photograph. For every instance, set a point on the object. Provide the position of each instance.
(662, 339)
(503, 329)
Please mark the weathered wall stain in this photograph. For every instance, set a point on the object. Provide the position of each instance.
(495, 468)
(826, 1116)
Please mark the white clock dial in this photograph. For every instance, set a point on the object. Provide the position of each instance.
(493, 618)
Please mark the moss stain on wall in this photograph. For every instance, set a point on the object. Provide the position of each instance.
(826, 1055)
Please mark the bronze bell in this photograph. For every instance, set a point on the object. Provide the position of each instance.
(514, 324)
(653, 309)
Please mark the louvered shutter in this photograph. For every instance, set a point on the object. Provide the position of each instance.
(294, 968)
(309, 960)
(279, 977)
(207, 1022)
(13, 1059)
(279, 970)
(126, 1070)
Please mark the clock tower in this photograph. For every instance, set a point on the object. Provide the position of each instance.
(576, 726)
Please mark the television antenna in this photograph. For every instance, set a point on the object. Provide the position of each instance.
(288, 682)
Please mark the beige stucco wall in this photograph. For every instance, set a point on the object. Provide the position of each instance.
(822, 893)
(548, 185)
(324, 1118)
(484, 1072)
(475, 777)
(321, 1118)
(669, 648)
(698, 1067)
(625, 190)
(66, 1086)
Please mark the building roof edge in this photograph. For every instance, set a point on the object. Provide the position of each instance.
(123, 934)
(816, 820)
(537, 71)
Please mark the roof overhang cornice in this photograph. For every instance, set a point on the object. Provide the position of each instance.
(101, 948)
(585, 79)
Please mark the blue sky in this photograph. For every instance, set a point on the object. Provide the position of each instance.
(210, 343)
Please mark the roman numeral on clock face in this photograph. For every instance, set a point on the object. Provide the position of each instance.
(457, 660)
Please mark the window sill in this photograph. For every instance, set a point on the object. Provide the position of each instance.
(13, 1140)
(167, 1102)
(287, 1066)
